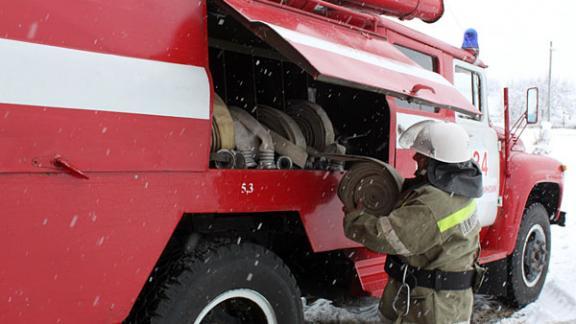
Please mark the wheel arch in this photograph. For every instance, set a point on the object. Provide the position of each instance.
(548, 194)
(258, 228)
(531, 178)
(282, 233)
(545, 192)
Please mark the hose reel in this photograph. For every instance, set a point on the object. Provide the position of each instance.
(289, 142)
(240, 140)
(372, 182)
(281, 123)
(222, 127)
(313, 122)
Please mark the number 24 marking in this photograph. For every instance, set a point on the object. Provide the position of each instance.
(484, 163)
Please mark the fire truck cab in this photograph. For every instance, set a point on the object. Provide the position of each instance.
(163, 161)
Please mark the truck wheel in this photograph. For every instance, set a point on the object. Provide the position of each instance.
(529, 262)
(229, 283)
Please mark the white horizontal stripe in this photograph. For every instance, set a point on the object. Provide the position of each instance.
(42, 75)
(359, 55)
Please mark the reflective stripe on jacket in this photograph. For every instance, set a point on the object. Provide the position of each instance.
(429, 228)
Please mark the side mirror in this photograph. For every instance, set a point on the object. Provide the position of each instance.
(532, 105)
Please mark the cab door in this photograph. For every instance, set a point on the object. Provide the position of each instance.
(471, 82)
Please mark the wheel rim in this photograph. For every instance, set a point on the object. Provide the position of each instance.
(534, 255)
(238, 306)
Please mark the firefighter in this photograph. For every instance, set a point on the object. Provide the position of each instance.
(432, 235)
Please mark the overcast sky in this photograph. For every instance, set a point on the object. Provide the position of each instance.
(514, 35)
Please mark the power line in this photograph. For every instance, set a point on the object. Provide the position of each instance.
(549, 82)
(454, 17)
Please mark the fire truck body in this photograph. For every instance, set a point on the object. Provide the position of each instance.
(105, 125)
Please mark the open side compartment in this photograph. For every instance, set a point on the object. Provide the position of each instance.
(264, 53)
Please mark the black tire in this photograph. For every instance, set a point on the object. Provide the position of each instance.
(236, 273)
(529, 262)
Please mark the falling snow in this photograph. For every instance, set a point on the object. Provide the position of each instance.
(32, 31)
(100, 241)
(73, 221)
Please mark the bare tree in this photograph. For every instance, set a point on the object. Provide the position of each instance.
(562, 101)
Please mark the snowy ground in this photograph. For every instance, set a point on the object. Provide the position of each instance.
(557, 302)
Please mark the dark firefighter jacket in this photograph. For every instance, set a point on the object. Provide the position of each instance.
(433, 226)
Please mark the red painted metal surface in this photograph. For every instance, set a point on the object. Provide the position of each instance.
(526, 171)
(426, 10)
(311, 193)
(166, 31)
(369, 266)
(89, 245)
(349, 16)
(104, 141)
(78, 250)
(99, 141)
(507, 140)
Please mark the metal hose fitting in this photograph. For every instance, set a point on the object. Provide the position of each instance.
(249, 158)
(266, 160)
(284, 163)
(225, 159)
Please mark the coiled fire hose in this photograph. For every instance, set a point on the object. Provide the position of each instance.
(281, 123)
(314, 123)
(222, 126)
(288, 139)
(371, 182)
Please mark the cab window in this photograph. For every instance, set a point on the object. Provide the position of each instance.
(426, 61)
(468, 83)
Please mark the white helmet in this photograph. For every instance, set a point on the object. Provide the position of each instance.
(442, 141)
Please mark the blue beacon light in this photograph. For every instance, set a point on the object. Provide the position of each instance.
(470, 42)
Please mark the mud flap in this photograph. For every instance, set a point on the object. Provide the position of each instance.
(560, 220)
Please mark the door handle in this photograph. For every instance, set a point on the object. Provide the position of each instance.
(417, 87)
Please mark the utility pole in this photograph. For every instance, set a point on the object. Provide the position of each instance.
(549, 82)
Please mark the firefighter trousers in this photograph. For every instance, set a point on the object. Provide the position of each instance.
(428, 306)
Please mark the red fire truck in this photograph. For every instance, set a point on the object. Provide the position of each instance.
(162, 160)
